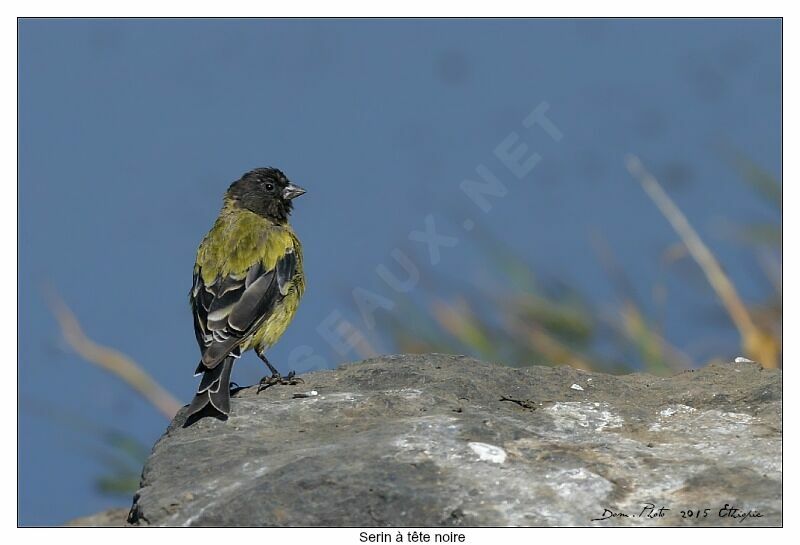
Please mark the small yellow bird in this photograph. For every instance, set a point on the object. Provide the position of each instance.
(248, 280)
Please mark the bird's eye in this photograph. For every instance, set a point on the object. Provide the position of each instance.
(270, 187)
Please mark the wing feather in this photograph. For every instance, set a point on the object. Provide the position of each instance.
(227, 311)
(285, 269)
(254, 302)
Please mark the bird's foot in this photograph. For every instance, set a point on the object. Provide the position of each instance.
(289, 380)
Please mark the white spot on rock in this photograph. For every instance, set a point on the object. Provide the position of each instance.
(488, 453)
(312, 393)
(742, 359)
(595, 416)
(576, 387)
(669, 411)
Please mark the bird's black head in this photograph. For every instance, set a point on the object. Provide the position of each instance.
(267, 192)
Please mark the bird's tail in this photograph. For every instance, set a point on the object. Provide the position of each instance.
(214, 389)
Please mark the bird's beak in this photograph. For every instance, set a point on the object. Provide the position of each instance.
(291, 191)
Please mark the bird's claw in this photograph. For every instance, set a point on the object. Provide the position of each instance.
(289, 380)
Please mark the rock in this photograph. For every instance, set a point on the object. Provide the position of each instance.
(112, 518)
(437, 440)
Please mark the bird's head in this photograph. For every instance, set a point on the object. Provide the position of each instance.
(265, 191)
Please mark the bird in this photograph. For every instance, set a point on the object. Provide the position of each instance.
(247, 283)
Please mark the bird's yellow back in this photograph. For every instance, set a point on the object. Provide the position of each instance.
(240, 238)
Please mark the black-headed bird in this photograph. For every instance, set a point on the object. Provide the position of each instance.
(248, 280)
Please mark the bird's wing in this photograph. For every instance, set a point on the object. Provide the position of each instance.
(229, 309)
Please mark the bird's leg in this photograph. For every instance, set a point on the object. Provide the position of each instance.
(268, 364)
(276, 377)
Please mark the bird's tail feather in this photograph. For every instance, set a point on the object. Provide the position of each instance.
(214, 388)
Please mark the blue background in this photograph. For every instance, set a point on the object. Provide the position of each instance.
(131, 130)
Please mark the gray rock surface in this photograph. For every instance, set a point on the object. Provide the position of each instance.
(437, 440)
